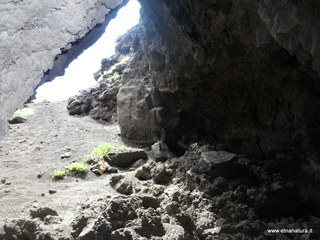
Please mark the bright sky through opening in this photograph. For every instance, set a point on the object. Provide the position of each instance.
(79, 74)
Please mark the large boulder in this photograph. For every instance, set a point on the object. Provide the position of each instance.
(126, 158)
(136, 114)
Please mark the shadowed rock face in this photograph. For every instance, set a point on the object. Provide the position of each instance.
(222, 71)
(243, 74)
(38, 39)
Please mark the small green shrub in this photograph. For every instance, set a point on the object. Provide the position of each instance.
(24, 112)
(116, 75)
(76, 167)
(45, 101)
(102, 150)
(58, 174)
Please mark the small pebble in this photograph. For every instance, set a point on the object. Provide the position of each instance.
(39, 175)
(3, 181)
(52, 191)
(42, 194)
(65, 155)
(35, 205)
(6, 191)
(8, 183)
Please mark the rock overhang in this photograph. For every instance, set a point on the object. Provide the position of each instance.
(39, 39)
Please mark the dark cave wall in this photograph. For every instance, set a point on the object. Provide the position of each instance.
(218, 73)
(236, 73)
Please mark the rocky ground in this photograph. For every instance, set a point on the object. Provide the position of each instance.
(42, 144)
(146, 194)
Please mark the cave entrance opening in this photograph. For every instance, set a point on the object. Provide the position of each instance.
(79, 75)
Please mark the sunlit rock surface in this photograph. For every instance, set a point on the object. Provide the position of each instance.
(33, 34)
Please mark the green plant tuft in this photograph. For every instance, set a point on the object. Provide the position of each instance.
(116, 75)
(24, 112)
(58, 174)
(45, 101)
(76, 167)
(102, 150)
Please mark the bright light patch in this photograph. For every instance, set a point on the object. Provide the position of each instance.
(79, 74)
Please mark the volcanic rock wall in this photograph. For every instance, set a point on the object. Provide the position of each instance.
(242, 74)
(217, 71)
(38, 39)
